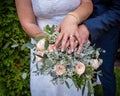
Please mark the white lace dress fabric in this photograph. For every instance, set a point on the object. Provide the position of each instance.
(51, 12)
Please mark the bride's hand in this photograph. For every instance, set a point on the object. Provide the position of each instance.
(68, 32)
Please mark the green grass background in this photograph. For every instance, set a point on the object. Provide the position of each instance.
(98, 88)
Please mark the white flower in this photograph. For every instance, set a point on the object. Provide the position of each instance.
(79, 68)
(41, 45)
(60, 69)
(39, 59)
(95, 63)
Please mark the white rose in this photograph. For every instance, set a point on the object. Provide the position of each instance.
(95, 64)
(41, 45)
(79, 68)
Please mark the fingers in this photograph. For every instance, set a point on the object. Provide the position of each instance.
(58, 40)
(79, 48)
(69, 41)
(72, 43)
(77, 35)
(74, 46)
(64, 41)
(67, 44)
(73, 38)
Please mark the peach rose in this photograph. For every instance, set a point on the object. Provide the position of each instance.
(39, 59)
(60, 69)
(79, 68)
(41, 45)
(95, 64)
(51, 48)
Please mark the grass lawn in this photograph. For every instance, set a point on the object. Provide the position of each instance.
(99, 88)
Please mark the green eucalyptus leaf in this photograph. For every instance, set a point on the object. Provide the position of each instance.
(37, 67)
(14, 45)
(46, 44)
(67, 84)
(24, 75)
(52, 29)
(27, 45)
(83, 90)
(39, 38)
(46, 29)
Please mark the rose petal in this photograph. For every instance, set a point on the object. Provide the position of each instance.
(41, 45)
(79, 68)
(95, 64)
(60, 69)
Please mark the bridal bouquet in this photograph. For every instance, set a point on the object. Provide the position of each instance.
(80, 68)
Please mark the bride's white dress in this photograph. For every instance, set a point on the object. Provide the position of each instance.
(51, 12)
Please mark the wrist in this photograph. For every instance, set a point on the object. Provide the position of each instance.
(75, 16)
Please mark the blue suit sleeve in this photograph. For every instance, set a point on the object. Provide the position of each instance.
(104, 22)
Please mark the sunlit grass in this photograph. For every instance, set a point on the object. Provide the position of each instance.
(98, 88)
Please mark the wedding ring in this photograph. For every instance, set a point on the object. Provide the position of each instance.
(71, 36)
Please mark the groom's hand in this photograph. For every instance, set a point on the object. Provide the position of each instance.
(84, 36)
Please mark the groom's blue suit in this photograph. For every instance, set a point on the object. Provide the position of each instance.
(104, 28)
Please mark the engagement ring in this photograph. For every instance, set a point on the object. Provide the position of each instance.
(71, 36)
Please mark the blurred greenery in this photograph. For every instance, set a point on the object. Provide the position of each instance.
(14, 63)
(99, 91)
(117, 71)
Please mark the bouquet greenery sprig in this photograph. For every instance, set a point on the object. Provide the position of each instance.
(80, 68)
